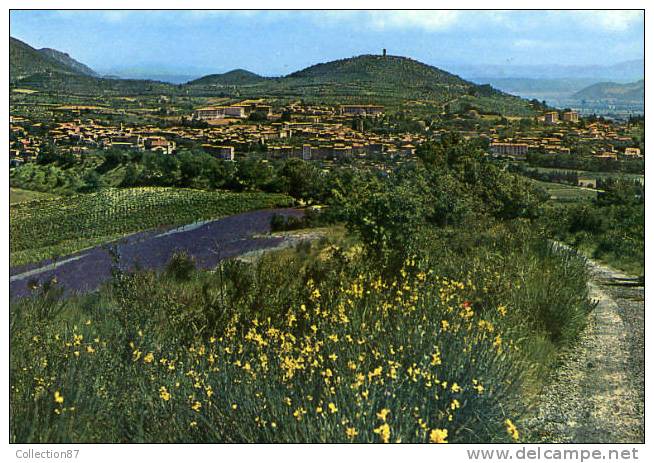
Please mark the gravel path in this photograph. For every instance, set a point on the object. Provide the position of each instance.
(597, 392)
(208, 242)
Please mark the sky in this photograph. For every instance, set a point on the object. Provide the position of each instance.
(274, 43)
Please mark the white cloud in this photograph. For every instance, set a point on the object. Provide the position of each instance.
(615, 20)
(610, 21)
(426, 20)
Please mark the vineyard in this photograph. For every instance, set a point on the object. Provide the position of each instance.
(38, 228)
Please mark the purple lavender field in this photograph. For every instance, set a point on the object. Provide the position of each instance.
(208, 242)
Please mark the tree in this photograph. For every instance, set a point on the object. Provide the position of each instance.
(92, 182)
(191, 168)
(301, 179)
(254, 174)
(258, 116)
(48, 154)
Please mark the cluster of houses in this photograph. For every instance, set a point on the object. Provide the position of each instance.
(244, 109)
(303, 131)
(552, 117)
(307, 140)
(239, 110)
(312, 132)
(602, 138)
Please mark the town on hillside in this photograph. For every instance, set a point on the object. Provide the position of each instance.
(307, 131)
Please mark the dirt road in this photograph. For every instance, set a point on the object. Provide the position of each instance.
(597, 393)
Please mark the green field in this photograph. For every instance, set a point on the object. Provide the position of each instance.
(591, 174)
(17, 195)
(49, 228)
(566, 193)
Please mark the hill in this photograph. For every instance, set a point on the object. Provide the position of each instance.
(611, 91)
(234, 77)
(66, 83)
(66, 60)
(377, 68)
(389, 80)
(25, 61)
(393, 81)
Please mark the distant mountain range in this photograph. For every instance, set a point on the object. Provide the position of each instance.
(624, 71)
(613, 92)
(557, 85)
(365, 78)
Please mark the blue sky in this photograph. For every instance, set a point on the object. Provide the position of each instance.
(279, 42)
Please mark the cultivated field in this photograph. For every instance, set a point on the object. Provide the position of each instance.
(17, 195)
(566, 193)
(52, 227)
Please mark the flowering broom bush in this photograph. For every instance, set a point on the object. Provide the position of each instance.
(315, 349)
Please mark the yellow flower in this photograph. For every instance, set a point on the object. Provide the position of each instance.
(478, 386)
(445, 325)
(384, 432)
(164, 394)
(502, 310)
(149, 357)
(90, 349)
(196, 406)
(455, 388)
(382, 414)
(299, 412)
(438, 436)
(58, 398)
(351, 433)
(455, 404)
(332, 407)
(511, 429)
